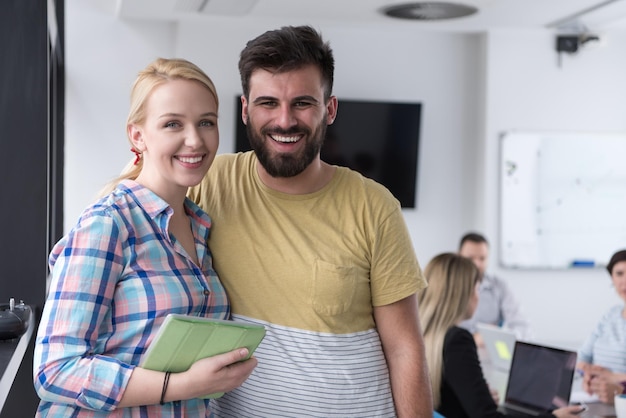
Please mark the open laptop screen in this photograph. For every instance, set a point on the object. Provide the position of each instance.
(540, 377)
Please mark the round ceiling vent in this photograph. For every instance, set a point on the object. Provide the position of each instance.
(429, 10)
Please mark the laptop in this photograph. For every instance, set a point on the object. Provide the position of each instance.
(499, 343)
(540, 380)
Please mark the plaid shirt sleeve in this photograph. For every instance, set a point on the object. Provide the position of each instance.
(85, 268)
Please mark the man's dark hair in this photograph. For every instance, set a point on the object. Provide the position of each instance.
(616, 258)
(285, 49)
(473, 237)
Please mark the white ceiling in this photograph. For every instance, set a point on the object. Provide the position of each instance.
(567, 16)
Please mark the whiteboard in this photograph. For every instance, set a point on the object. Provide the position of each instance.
(562, 199)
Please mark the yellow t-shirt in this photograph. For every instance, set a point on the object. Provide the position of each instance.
(316, 262)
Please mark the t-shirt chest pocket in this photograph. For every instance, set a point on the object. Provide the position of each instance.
(333, 288)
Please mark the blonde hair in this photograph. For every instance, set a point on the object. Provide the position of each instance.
(156, 73)
(451, 281)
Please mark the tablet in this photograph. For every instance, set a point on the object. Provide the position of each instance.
(184, 339)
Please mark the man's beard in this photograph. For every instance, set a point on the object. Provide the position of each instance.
(286, 165)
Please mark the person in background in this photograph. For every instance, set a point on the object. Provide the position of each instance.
(497, 305)
(460, 389)
(318, 254)
(602, 357)
(136, 255)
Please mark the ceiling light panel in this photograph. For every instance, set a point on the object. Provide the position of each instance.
(189, 6)
(429, 10)
(228, 7)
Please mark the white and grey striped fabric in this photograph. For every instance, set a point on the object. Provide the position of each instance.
(329, 376)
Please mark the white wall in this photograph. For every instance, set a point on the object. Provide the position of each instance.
(471, 87)
(528, 90)
(103, 56)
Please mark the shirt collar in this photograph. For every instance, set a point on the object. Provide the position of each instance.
(149, 201)
(154, 206)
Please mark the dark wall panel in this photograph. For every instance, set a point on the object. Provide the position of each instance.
(24, 171)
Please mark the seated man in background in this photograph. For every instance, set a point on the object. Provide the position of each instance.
(496, 305)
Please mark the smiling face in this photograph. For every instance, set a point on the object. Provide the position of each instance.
(179, 137)
(286, 119)
(618, 277)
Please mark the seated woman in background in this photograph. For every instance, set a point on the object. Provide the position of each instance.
(459, 387)
(602, 358)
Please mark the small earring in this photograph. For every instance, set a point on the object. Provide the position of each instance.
(137, 156)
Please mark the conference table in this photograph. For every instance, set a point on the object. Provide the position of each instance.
(497, 379)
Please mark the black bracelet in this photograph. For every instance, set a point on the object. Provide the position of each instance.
(166, 380)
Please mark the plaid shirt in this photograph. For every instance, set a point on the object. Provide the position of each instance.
(114, 278)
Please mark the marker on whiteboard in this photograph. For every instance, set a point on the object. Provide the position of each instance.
(583, 263)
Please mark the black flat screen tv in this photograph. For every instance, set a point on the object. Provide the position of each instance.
(378, 139)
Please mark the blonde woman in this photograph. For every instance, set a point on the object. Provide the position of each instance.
(134, 256)
(459, 387)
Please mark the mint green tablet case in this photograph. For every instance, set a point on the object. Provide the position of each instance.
(182, 340)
